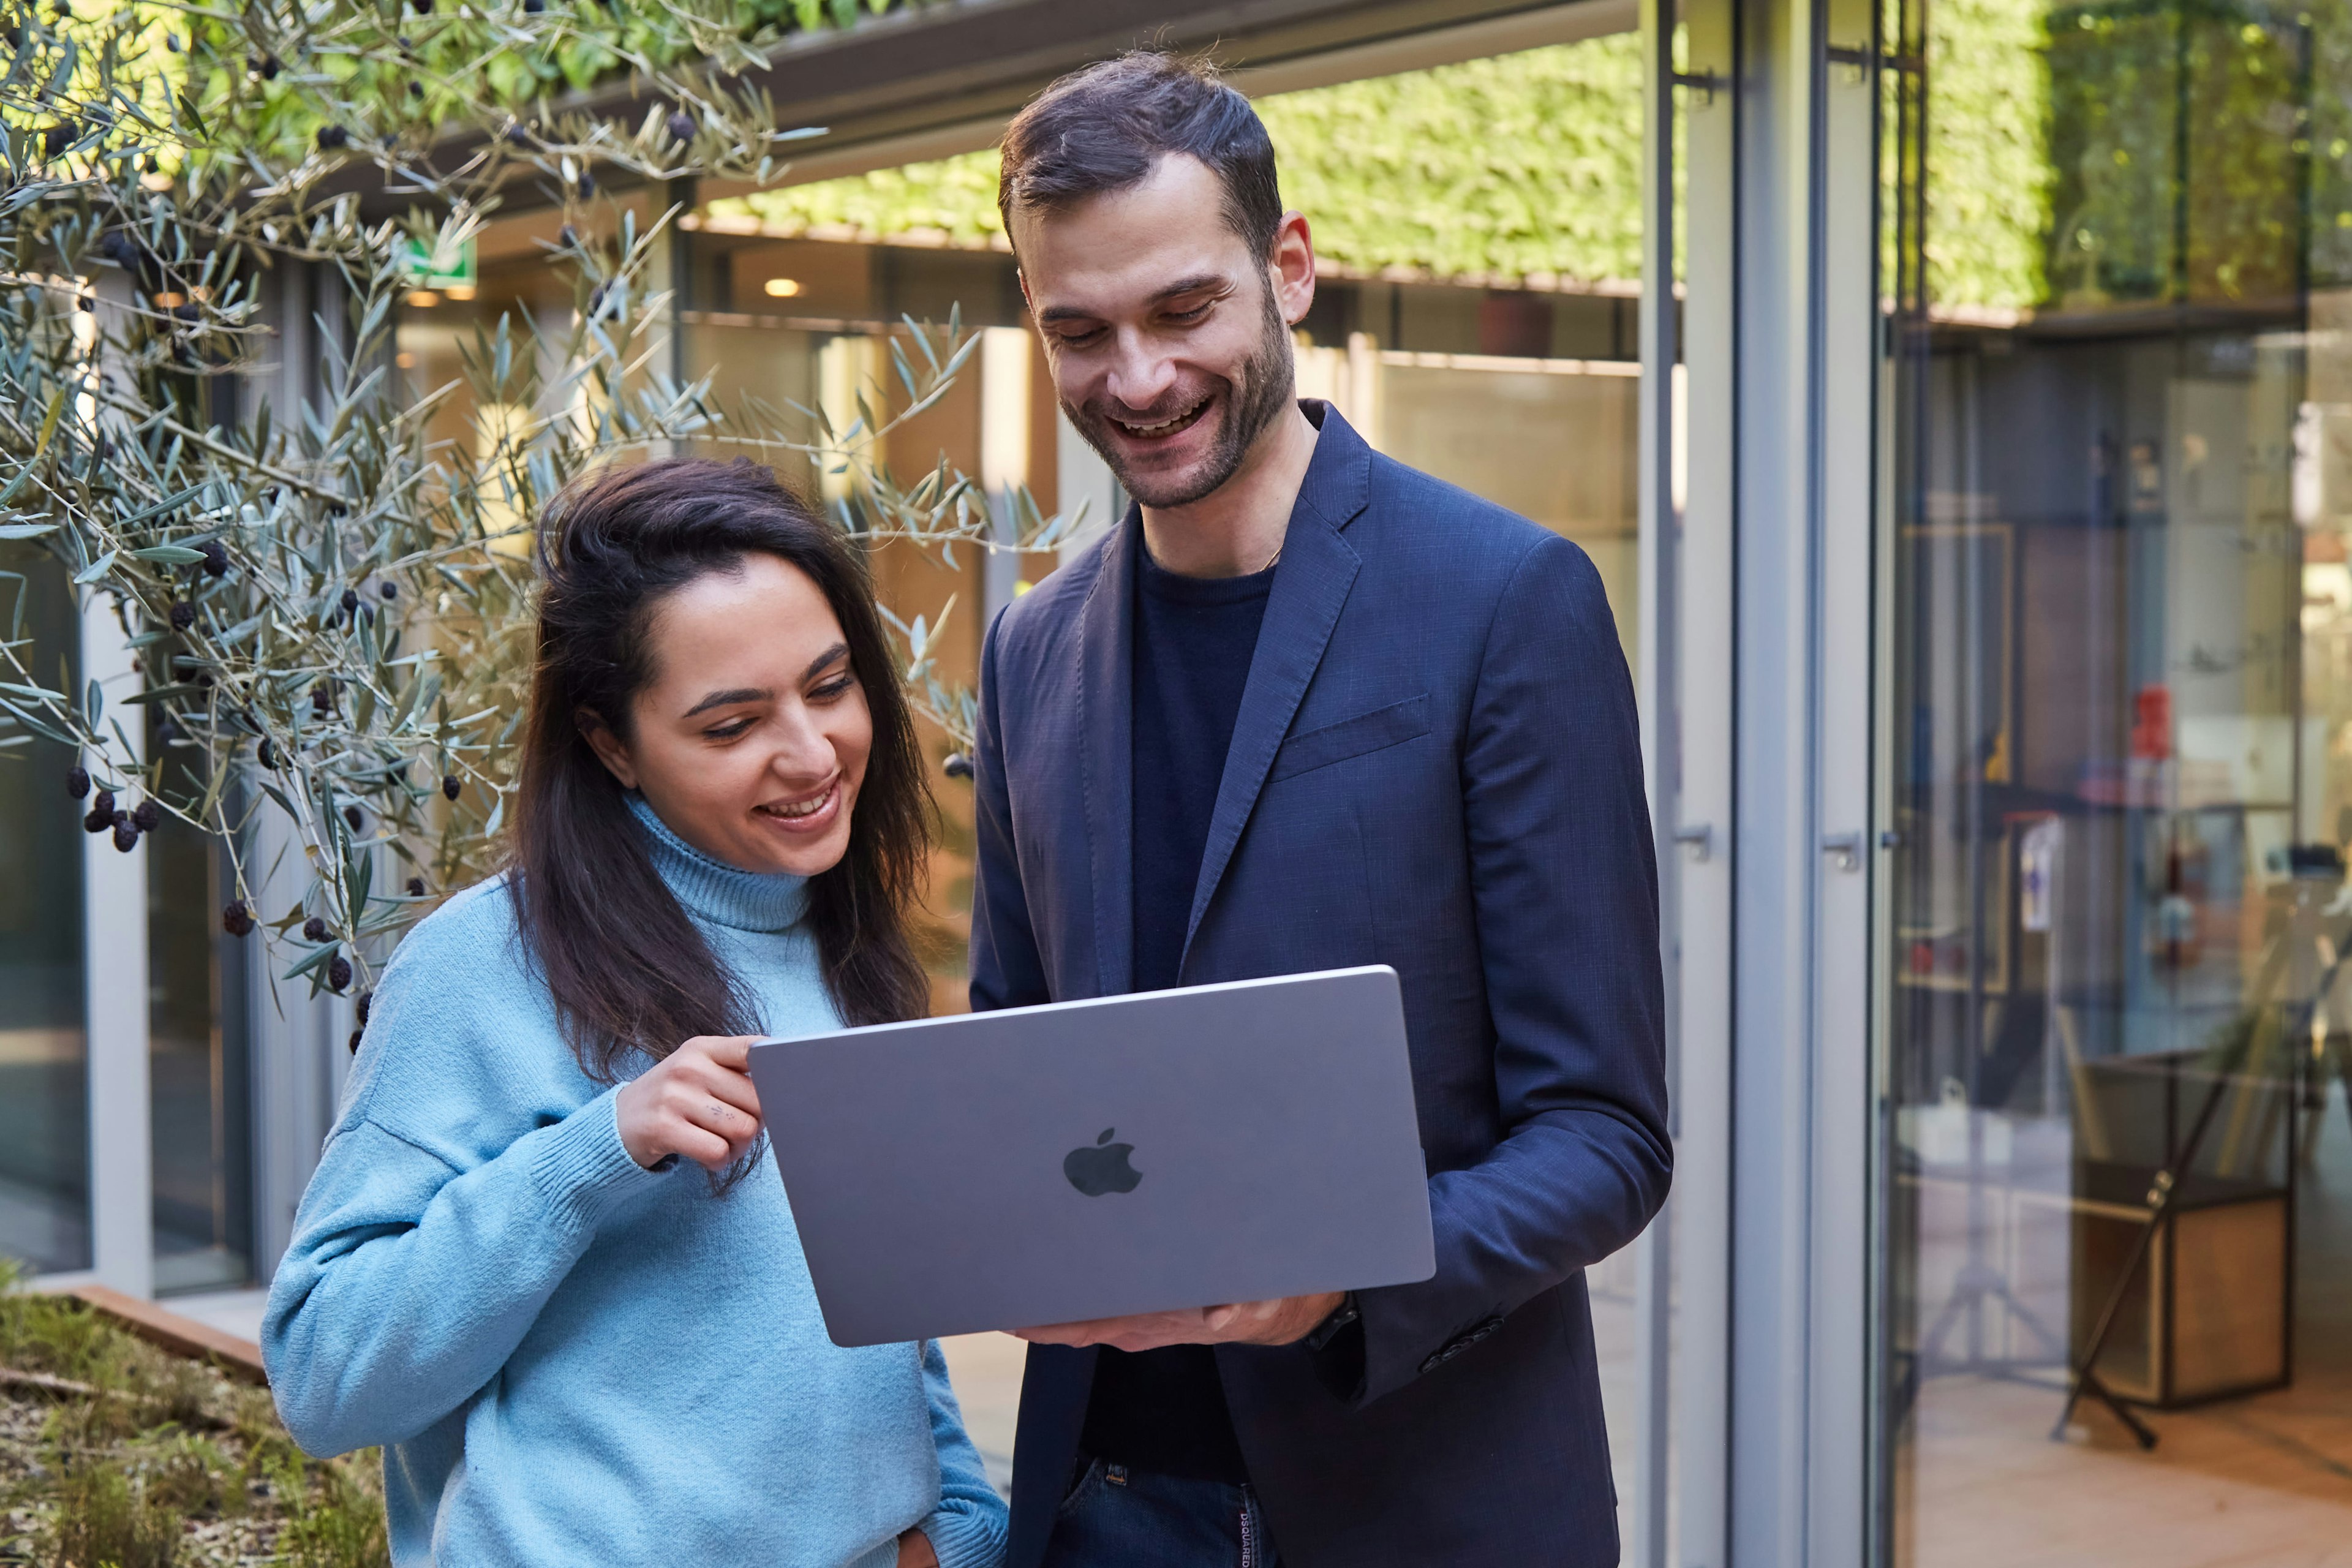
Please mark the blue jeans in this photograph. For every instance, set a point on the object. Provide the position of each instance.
(1118, 1518)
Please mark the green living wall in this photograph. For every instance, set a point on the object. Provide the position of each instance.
(1522, 164)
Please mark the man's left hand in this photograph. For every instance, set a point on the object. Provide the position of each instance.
(1278, 1323)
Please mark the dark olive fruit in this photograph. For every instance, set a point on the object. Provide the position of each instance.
(189, 312)
(957, 766)
(126, 837)
(237, 920)
(355, 1034)
(338, 972)
(450, 786)
(681, 126)
(331, 137)
(424, 7)
(416, 887)
(314, 930)
(270, 68)
(121, 818)
(323, 698)
(351, 600)
(90, 303)
(366, 1002)
(78, 781)
(389, 590)
(117, 248)
(266, 753)
(96, 821)
(352, 814)
(587, 185)
(216, 557)
(534, 6)
(203, 679)
(147, 817)
(417, 89)
(102, 805)
(57, 139)
(183, 616)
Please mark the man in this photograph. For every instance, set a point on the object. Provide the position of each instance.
(1305, 708)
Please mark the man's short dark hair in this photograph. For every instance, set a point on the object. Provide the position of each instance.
(1104, 128)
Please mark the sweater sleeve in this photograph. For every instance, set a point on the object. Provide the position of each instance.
(968, 1528)
(409, 1283)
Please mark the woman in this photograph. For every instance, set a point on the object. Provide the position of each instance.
(542, 1262)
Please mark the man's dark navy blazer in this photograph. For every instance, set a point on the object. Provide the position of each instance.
(1436, 767)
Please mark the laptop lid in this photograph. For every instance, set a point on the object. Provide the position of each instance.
(1230, 1143)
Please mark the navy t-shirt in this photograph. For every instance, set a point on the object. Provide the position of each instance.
(1164, 1410)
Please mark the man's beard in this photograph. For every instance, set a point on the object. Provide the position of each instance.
(1265, 387)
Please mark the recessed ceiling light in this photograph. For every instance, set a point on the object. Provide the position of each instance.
(461, 290)
(783, 288)
(423, 298)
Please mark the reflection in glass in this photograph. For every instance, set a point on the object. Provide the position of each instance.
(2117, 1178)
(44, 1050)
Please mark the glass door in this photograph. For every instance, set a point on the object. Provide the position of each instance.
(2116, 1178)
(44, 1041)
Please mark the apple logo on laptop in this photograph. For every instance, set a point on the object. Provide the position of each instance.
(1102, 1168)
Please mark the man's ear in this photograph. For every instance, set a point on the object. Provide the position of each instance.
(1291, 269)
(607, 746)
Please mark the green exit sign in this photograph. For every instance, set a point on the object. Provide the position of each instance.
(430, 266)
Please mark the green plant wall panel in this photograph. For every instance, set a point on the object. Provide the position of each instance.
(1522, 164)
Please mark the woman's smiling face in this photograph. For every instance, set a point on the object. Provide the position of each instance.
(751, 738)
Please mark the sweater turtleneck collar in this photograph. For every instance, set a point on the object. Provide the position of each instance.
(715, 892)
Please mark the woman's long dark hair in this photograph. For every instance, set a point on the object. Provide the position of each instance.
(629, 971)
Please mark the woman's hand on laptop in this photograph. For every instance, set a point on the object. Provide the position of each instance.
(697, 1103)
(1277, 1323)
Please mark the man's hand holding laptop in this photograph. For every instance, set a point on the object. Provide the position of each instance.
(1283, 1321)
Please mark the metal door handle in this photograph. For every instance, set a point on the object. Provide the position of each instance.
(1845, 850)
(1697, 841)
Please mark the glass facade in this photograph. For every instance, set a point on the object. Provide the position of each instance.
(2116, 1173)
(44, 1049)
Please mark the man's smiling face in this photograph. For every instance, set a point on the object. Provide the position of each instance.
(1169, 344)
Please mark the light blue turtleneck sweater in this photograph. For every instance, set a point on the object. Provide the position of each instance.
(569, 1359)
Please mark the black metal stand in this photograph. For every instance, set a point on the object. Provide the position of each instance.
(1977, 1283)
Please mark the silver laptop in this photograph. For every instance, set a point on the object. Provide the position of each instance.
(1041, 1165)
